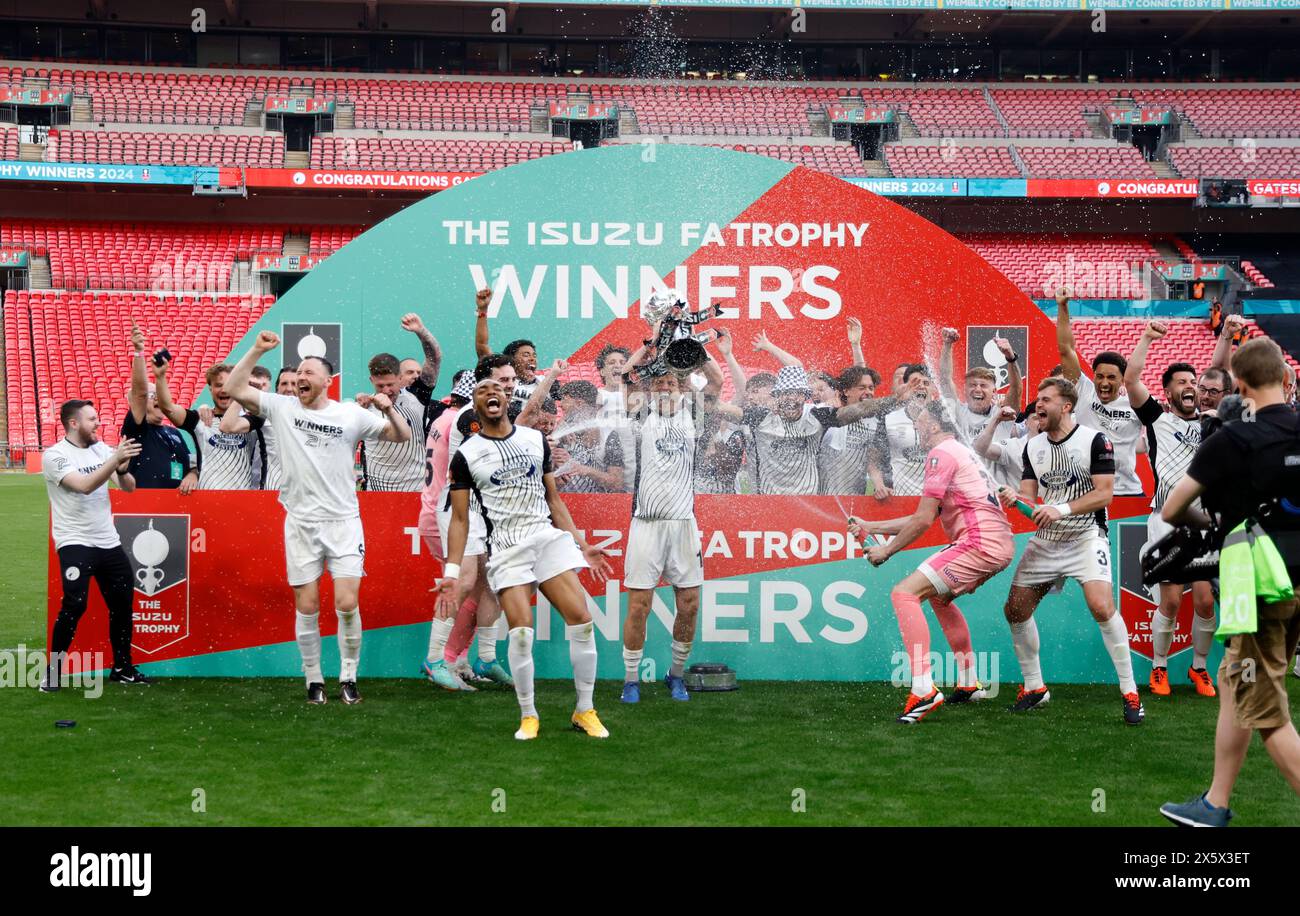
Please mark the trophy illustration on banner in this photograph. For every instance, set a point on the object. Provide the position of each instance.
(677, 348)
(150, 549)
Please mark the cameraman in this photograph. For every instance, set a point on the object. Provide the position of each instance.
(1250, 469)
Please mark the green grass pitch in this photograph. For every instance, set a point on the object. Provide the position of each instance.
(771, 753)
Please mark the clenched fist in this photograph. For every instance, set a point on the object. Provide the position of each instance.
(266, 340)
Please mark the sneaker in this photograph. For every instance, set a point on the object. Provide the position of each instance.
(129, 675)
(917, 708)
(444, 677)
(492, 671)
(463, 670)
(348, 693)
(528, 728)
(51, 682)
(631, 692)
(1027, 700)
(1133, 711)
(676, 688)
(316, 694)
(1159, 682)
(1196, 812)
(1201, 680)
(966, 695)
(589, 722)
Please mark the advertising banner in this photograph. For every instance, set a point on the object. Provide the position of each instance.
(96, 173)
(354, 179)
(1146, 115)
(1116, 188)
(594, 111)
(840, 114)
(912, 187)
(16, 95)
(787, 255)
(271, 262)
(13, 257)
(1274, 187)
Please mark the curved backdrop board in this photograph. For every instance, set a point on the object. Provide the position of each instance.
(570, 244)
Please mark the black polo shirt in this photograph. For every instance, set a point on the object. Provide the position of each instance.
(164, 458)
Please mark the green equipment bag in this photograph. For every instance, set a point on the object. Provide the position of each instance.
(1250, 569)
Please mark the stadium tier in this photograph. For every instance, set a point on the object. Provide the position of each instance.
(909, 160)
(9, 142)
(148, 148)
(196, 257)
(61, 345)
(1236, 161)
(1036, 264)
(1233, 113)
(1084, 162)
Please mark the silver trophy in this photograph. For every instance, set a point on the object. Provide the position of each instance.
(678, 348)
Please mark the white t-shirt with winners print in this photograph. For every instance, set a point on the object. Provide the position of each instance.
(506, 474)
(397, 466)
(1119, 421)
(317, 449)
(85, 519)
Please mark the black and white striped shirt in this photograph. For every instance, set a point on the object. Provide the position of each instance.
(396, 466)
(225, 459)
(784, 452)
(664, 480)
(842, 458)
(1171, 443)
(506, 476)
(906, 465)
(1064, 472)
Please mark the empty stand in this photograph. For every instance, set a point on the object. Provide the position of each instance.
(167, 98)
(1233, 113)
(1236, 161)
(1048, 112)
(909, 160)
(1102, 268)
(407, 154)
(147, 148)
(78, 348)
(8, 143)
(1084, 162)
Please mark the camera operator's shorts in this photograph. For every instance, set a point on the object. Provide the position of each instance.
(663, 548)
(1255, 666)
(1084, 559)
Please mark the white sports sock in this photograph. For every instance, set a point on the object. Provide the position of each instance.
(582, 654)
(632, 664)
(1024, 636)
(1202, 638)
(349, 643)
(439, 633)
(681, 652)
(487, 643)
(1115, 635)
(307, 631)
(1162, 637)
(922, 684)
(519, 652)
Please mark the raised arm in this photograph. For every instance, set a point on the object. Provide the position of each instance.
(234, 420)
(532, 411)
(237, 382)
(163, 391)
(984, 446)
(432, 352)
(1137, 390)
(481, 345)
(138, 399)
(851, 413)
(117, 463)
(1070, 367)
(946, 385)
(855, 341)
(726, 348)
(763, 345)
(1015, 381)
(1222, 357)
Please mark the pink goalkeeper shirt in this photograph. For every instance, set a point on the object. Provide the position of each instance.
(968, 502)
(434, 495)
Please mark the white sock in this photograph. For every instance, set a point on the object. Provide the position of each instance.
(922, 684)
(632, 664)
(582, 654)
(1115, 635)
(1202, 638)
(681, 652)
(519, 652)
(1162, 637)
(1024, 636)
(439, 633)
(349, 643)
(307, 631)
(487, 643)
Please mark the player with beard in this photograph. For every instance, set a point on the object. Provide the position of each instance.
(317, 439)
(980, 401)
(1173, 437)
(392, 466)
(1073, 466)
(1101, 405)
(225, 459)
(533, 544)
(842, 466)
(664, 537)
(960, 491)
